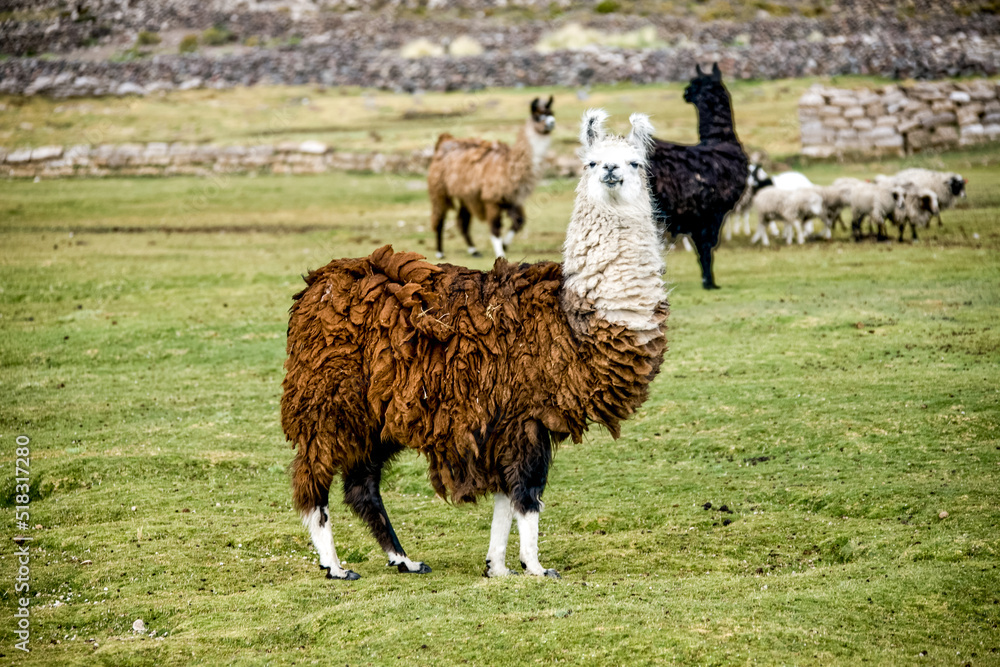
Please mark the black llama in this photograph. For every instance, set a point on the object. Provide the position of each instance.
(695, 186)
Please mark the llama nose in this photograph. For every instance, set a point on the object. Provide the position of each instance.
(610, 175)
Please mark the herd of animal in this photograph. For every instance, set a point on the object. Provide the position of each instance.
(483, 373)
(911, 197)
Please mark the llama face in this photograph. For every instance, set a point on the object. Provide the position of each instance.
(614, 169)
(542, 117)
(702, 83)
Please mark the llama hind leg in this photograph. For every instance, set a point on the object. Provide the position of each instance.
(464, 222)
(516, 213)
(310, 492)
(361, 493)
(496, 557)
(526, 497)
(317, 521)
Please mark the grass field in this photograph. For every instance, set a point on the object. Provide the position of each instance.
(835, 398)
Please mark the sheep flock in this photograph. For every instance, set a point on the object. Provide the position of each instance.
(910, 198)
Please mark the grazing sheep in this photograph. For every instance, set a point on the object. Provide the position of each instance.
(947, 185)
(481, 372)
(694, 187)
(789, 206)
(915, 206)
(739, 217)
(835, 200)
(487, 178)
(874, 201)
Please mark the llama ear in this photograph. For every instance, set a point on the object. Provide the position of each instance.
(534, 105)
(592, 127)
(641, 136)
(697, 69)
(548, 105)
(716, 72)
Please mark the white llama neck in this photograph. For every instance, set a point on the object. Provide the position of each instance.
(537, 144)
(613, 263)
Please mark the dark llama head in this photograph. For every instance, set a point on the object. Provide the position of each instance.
(541, 115)
(715, 109)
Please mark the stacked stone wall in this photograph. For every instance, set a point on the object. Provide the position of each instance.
(184, 159)
(899, 120)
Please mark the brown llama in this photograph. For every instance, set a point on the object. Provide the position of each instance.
(480, 372)
(487, 178)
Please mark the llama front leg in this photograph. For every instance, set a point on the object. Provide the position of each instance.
(496, 557)
(317, 521)
(361, 493)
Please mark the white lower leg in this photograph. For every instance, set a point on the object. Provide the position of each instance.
(318, 523)
(527, 528)
(497, 245)
(496, 557)
(472, 250)
(508, 238)
(398, 559)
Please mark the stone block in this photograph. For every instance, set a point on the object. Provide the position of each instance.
(811, 99)
(988, 119)
(854, 112)
(992, 131)
(939, 120)
(887, 121)
(313, 147)
(960, 97)
(821, 152)
(895, 142)
(972, 134)
(19, 156)
(942, 106)
(836, 123)
(875, 110)
(945, 136)
(831, 111)
(907, 125)
(918, 139)
(862, 124)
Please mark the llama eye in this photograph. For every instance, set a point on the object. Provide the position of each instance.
(593, 164)
(635, 165)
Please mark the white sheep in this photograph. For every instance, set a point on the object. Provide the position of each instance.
(947, 185)
(915, 206)
(874, 201)
(789, 206)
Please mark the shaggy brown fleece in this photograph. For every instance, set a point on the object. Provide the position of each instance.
(470, 368)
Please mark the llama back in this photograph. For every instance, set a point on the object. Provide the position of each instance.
(472, 170)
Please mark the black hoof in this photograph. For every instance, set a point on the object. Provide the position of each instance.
(523, 566)
(552, 574)
(476, 254)
(710, 286)
(424, 569)
(349, 575)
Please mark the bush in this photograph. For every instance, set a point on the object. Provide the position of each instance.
(189, 44)
(216, 36)
(146, 38)
(607, 7)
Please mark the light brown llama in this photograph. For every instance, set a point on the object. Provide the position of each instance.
(480, 372)
(487, 178)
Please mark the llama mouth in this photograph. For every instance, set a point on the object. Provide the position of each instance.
(611, 182)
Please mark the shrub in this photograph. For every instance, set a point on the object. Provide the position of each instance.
(146, 38)
(189, 44)
(607, 7)
(216, 36)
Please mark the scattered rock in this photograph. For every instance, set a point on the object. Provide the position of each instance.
(139, 627)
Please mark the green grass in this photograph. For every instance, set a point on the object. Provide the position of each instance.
(353, 120)
(836, 397)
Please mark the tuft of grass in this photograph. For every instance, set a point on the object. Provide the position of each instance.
(217, 36)
(146, 38)
(188, 44)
